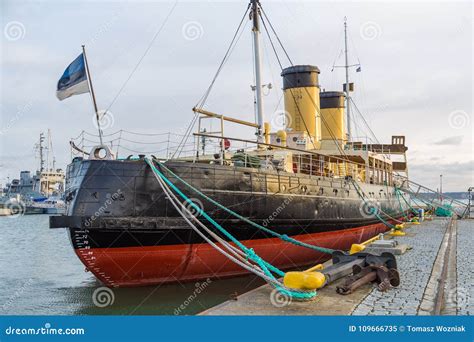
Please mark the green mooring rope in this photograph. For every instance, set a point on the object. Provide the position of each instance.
(399, 194)
(372, 210)
(400, 205)
(283, 237)
(250, 253)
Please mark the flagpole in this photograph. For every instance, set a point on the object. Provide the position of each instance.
(92, 93)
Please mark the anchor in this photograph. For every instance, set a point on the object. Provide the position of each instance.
(364, 267)
(379, 269)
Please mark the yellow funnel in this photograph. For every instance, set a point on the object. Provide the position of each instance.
(301, 93)
(332, 116)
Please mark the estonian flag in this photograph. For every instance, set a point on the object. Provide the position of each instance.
(74, 79)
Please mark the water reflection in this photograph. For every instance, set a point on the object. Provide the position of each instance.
(41, 275)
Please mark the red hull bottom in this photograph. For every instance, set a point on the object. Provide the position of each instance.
(150, 265)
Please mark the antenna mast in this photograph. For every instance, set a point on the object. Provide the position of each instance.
(257, 60)
(347, 86)
(41, 140)
(48, 149)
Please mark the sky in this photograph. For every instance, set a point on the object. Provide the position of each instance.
(416, 79)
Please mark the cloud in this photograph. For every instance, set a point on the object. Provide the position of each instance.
(451, 141)
(177, 71)
(457, 176)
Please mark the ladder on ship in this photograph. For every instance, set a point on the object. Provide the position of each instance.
(433, 198)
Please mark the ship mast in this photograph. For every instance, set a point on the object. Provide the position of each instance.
(40, 147)
(258, 66)
(347, 86)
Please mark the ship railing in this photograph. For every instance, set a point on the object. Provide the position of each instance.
(163, 146)
(171, 145)
(431, 197)
(363, 147)
(335, 167)
(125, 143)
(370, 171)
(368, 145)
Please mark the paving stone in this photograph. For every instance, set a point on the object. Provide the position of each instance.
(465, 268)
(415, 269)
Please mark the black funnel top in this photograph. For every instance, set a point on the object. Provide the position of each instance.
(300, 76)
(331, 99)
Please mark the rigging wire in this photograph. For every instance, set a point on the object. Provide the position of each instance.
(203, 99)
(79, 136)
(337, 51)
(150, 134)
(124, 131)
(96, 135)
(278, 95)
(362, 93)
(144, 143)
(365, 122)
(270, 68)
(342, 152)
(142, 57)
(333, 137)
(281, 67)
(144, 152)
(185, 138)
(97, 142)
(323, 120)
(276, 35)
(271, 43)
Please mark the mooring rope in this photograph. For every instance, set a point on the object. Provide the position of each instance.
(266, 267)
(430, 205)
(283, 237)
(400, 204)
(372, 209)
(399, 194)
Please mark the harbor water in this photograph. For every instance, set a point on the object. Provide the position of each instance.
(41, 275)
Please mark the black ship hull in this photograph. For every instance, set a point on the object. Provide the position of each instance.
(125, 230)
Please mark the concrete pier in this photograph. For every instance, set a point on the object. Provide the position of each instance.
(437, 249)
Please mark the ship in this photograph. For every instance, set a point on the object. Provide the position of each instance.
(310, 181)
(37, 193)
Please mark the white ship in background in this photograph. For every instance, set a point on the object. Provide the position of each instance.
(40, 193)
